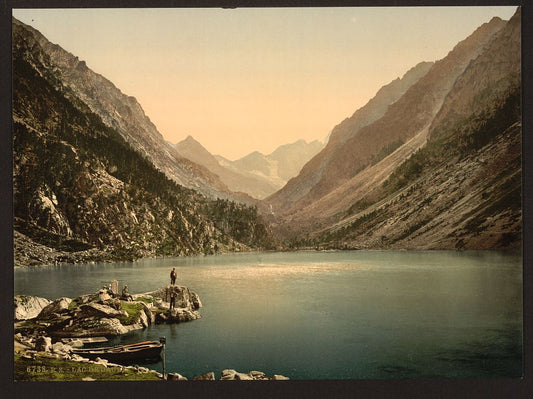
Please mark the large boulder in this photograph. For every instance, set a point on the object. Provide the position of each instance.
(175, 377)
(243, 377)
(228, 374)
(187, 315)
(150, 316)
(232, 375)
(61, 349)
(99, 310)
(29, 307)
(207, 376)
(195, 300)
(258, 375)
(107, 326)
(92, 327)
(143, 321)
(58, 306)
(83, 299)
(43, 344)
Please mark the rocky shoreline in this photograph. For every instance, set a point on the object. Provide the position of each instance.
(88, 315)
(28, 253)
(40, 324)
(37, 358)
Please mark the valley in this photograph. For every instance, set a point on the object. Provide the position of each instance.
(432, 161)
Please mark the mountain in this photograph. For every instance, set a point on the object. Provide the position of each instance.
(439, 169)
(122, 113)
(236, 181)
(82, 192)
(404, 119)
(277, 167)
(290, 158)
(313, 171)
(255, 174)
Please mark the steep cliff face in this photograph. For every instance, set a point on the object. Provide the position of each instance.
(455, 179)
(312, 171)
(120, 112)
(403, 120)
(487, 82)
(80, 186)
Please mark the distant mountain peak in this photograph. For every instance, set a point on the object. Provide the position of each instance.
(254, 154)
(190, 138)
(192, 149)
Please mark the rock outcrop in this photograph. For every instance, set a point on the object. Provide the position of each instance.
(86, 316)
(29, 307)
(186, 305)
(57, 306)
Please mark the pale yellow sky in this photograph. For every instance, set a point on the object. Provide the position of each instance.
(241, 80)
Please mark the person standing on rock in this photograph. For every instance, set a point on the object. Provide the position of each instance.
(173, 296)
(173, 276)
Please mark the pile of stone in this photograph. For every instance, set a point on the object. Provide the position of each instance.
(229, 375)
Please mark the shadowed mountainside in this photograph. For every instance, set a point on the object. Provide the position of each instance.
(83, 193)
(122, 113)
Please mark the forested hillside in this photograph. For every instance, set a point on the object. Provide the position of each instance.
(83, 193)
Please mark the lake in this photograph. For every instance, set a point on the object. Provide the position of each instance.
(326, 315)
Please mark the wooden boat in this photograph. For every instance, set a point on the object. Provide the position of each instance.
(122, 353)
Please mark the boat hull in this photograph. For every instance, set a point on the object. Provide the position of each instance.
(125, 353)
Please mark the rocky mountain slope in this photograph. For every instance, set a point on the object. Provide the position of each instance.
(312, 171)
(82, 192)
(237, 181)
(404, 119)
(120, 112)
(440, 169)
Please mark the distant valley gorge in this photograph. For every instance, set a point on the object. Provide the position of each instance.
(255, 174)
(433, 161)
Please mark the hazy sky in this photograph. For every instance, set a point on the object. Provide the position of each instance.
(241, 80)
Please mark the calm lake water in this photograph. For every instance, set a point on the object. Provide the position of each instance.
(326, 315)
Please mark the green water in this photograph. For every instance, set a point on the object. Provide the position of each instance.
(327, 315)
